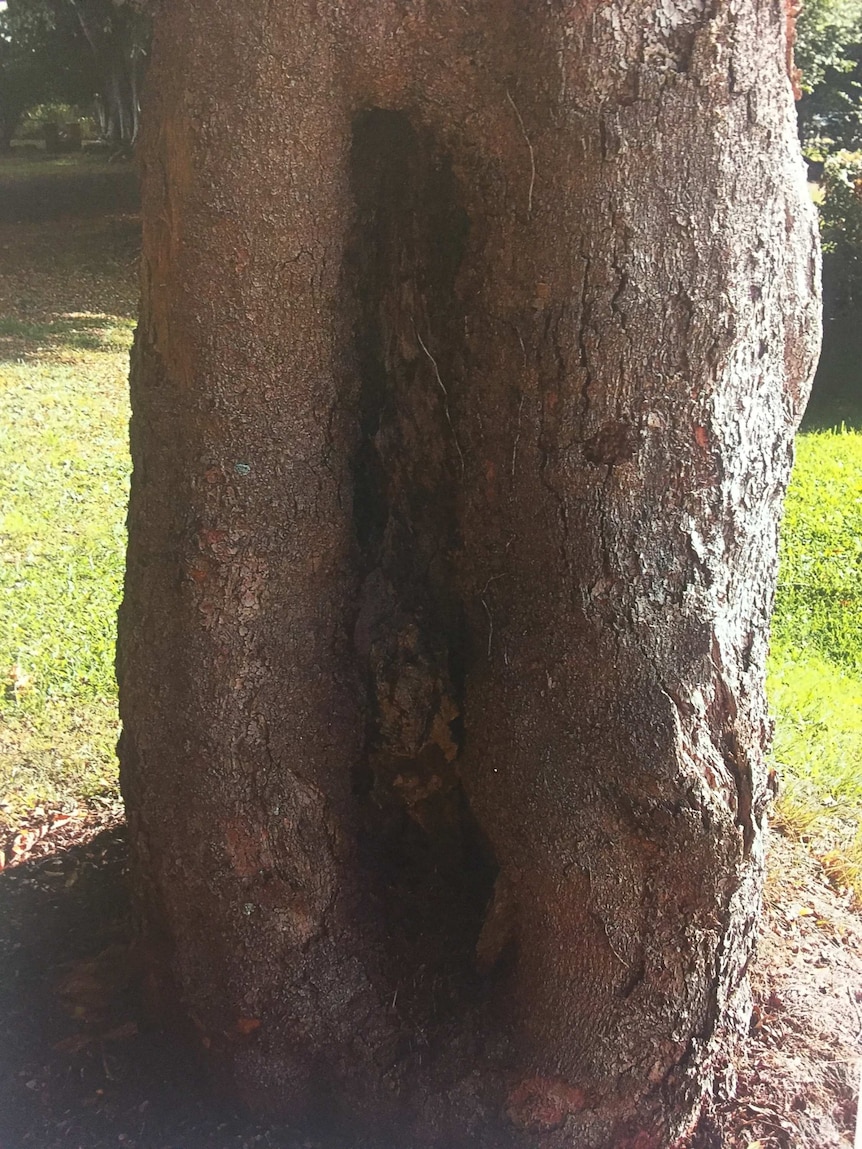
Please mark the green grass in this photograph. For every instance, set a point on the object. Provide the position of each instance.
(63, 492)
(815, 670)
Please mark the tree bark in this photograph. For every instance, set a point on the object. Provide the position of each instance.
(473, 342)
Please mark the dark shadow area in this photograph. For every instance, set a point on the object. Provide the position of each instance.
(80, 1068)
(76, 1065)
(836, 396)
(35, 191)
(422, 845)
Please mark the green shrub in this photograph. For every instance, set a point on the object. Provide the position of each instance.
(841, 229)
(32, 126)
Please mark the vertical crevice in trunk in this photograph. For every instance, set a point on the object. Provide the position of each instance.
(419, 838)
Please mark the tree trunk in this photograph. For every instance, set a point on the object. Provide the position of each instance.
(8, 126)
(117, 37)
(473, 342)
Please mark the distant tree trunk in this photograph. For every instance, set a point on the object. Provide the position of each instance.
(117, 104)
(9, 122)
(474, 338)
(118, 35)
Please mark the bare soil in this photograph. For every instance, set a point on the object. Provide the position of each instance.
(81, 1066)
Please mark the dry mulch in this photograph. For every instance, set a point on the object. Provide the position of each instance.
(795, 1083)
(79, 1069)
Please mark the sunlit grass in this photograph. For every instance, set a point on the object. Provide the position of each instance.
(63, 492)
(815, 672)
(819, 600)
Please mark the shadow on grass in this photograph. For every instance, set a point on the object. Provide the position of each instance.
(70, 333)
(46, 189)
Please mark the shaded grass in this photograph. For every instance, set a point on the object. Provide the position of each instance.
(837, 394)
(74, 332)
(27, 161)
(36, 186)
(815, 670)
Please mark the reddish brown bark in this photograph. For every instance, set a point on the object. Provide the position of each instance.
(473, 342)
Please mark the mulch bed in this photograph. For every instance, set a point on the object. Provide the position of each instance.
(79, 1068)
(795, 1083)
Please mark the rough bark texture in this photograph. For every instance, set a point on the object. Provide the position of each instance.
(473, 341)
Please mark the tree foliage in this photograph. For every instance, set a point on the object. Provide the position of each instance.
(829, 55)
(841, 229)
(40, 59)
(75, 51)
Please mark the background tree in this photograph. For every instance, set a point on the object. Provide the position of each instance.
(829, 57)
(829, 52)
(118, 37)
(41, 59)
(78, 52)
(473, 342)
(841, 231)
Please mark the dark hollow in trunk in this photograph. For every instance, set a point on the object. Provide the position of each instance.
(417, 835)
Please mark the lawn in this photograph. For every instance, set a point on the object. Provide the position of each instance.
(67, 304)
(815, 669)
(63, 492)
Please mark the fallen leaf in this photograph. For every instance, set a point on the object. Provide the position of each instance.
(18, 681)
(21, 843)
(774, 1001)
(798, 911)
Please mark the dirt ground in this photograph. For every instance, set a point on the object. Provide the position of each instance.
(80, 1068)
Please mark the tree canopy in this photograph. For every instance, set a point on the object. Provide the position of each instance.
(829, 56)
(42, 57)
(75, 51)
